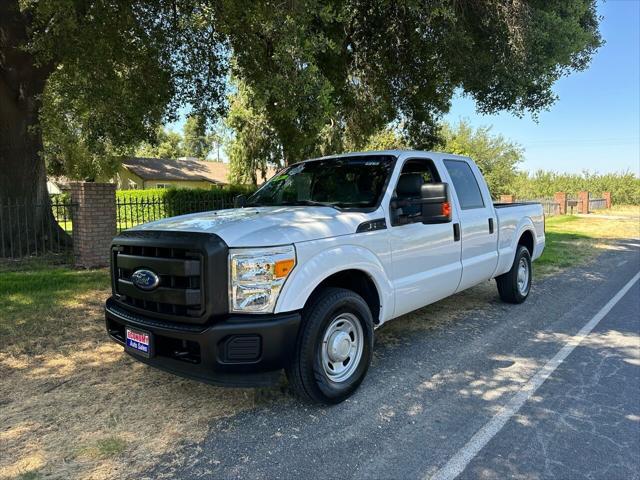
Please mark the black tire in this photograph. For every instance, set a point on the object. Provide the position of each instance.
(507, 283)
(306, 373)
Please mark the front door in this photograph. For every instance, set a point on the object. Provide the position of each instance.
(426, 258)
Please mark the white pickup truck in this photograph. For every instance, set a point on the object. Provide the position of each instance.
(303, 272)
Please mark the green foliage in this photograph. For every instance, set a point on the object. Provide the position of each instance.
(327, 75)
(116, 70)
(624, 186)
(196, 141)
(182, 201)
(255, 144)
(387, 139)
(320, 76)
(139, 206)
(496, 157)
(166, 144)
(68, 148)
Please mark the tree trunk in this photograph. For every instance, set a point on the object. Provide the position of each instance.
(26, 221)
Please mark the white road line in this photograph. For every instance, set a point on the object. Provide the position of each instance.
(456, 465)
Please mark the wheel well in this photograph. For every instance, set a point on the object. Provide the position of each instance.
(526, 239)
(357, 281)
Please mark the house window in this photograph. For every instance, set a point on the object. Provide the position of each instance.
(163, 185)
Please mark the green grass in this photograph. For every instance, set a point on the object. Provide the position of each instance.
(564, 250)
(36, 297)
(108, 447)
(33, 475)
(574, 240)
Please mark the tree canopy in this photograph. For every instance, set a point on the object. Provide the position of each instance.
(197, 141)
(328, 75)
(194, 141)
(497, 157)
(97, 77)
(166, 144)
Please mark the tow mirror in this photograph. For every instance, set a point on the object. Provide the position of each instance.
(436, 207)
(239, 201)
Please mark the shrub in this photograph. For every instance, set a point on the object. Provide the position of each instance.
(139, 206)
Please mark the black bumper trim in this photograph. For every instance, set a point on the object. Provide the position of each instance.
(205, 347)
(146, 322)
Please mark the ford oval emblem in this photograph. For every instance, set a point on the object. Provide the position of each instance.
(145, 279)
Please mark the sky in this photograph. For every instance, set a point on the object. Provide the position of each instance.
(595, 123)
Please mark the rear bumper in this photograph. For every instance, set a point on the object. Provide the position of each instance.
(242, 350)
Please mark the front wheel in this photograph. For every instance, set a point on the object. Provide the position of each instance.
(334, 347)
(514, 286)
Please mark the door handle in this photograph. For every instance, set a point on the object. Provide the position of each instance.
(456, 232)
(491, 225)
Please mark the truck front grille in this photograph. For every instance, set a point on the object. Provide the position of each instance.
(180, 293)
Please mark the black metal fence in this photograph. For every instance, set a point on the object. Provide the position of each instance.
(30, 228)
(134, 210)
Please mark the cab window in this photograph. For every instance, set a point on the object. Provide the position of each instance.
(415, 173)
(465, 183)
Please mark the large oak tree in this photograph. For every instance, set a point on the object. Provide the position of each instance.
(94, 78)
(82, 81)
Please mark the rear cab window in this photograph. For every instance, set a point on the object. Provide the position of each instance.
(465, 184)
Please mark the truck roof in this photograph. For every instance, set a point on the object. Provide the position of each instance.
(395, 153)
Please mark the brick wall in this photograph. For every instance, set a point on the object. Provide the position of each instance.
(583, 202)
(561, 199)
(94, 222)
(607, 198)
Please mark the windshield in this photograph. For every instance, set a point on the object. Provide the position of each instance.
(347, 182)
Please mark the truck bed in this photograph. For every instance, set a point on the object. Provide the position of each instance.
(513, 204)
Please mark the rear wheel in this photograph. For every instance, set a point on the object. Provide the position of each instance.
(514, 286)
(334, 347)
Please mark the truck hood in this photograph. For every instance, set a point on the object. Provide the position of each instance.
(265, 226)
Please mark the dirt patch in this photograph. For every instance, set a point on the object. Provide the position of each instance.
(436, 316)
(81, 408)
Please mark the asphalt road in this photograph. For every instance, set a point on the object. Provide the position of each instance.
(432, 391)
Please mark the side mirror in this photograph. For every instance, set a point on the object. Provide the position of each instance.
(239, 201)
(436, 207)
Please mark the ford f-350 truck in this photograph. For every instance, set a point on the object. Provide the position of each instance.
(301, 274)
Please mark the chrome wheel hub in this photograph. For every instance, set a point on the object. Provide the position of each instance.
(342, 346)
(339, 346)
(523, 276)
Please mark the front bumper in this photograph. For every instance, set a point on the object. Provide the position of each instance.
(241, 350)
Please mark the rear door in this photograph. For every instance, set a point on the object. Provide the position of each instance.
(478, 225)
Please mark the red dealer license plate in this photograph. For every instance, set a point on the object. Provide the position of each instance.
(139, 342)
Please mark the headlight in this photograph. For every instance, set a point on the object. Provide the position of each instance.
(256, 277)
